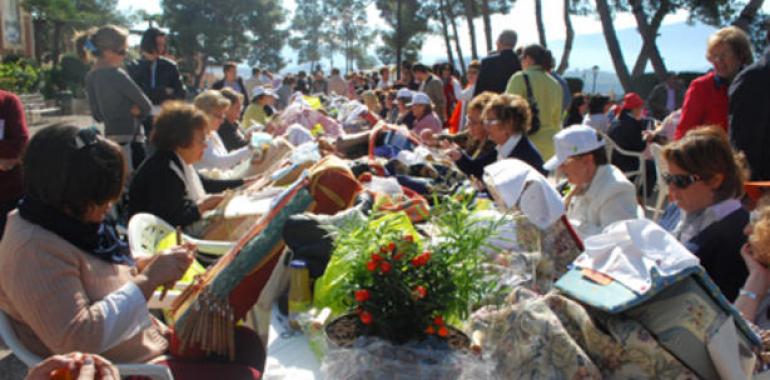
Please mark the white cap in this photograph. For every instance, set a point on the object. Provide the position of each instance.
(420, 98)
(571, 141)
(404, 93)
(259, 90)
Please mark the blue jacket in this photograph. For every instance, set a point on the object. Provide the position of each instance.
(524, 151)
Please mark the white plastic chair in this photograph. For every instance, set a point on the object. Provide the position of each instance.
(660, 168)
(153, 371)
(640, 172)
(146, 230)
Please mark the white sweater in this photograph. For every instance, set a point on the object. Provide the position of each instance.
(216, 155)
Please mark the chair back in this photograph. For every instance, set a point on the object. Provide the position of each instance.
(13, 342)
(660, 168)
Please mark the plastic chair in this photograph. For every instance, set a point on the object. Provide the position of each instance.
(146, 230)
(152, 371)
(640, 173)
(660, 168)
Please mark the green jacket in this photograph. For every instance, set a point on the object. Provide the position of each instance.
(254, 113)
(548, 93)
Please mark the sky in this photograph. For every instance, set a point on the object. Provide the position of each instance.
(588, 50)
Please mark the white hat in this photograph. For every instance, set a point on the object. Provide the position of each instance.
(571, 141)
(404, 93)
(259, 90)
(420, 98)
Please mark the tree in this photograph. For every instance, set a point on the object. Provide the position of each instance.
(488, 8)
(470, 14)
(305, 26)
(445, 32)
(613, 45)
(451, 14)
(353, 32)
(205, 32)
(409, 27)
(539, 22)
(56, 21)
(564, 62)
(748, 14)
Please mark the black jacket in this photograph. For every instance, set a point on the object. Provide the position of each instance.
(626, 132)
(524, 151)
(750, 116)
(719, 249)
(495, 71)
(220, 84)
(158, 190)
(168, 82)
(231, 136)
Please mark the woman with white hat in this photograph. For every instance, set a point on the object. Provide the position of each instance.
(424, 117)
(261, 110)
(600, 193)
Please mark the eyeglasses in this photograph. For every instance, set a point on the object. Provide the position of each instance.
(681, 181)
(490, 122)
(719, 57)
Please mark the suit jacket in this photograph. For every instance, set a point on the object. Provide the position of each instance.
(168, 81)
(158, 190)
(496, 69)
(220, 84)
(749, 116)
(524, 151)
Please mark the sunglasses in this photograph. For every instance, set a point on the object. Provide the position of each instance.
(681, 181)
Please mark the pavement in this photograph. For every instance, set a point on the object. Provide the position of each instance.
(82, 121)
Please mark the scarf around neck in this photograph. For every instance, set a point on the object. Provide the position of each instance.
(97, 239)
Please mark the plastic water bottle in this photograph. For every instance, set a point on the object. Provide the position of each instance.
(299, 291)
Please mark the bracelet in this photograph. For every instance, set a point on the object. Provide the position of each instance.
(747, 294)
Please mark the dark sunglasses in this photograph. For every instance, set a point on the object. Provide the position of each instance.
(681, 181)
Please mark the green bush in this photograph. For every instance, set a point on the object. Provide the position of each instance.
(70, 76)
(19, 76)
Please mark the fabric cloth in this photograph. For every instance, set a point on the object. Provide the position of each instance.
(609, 198)
(749, 114)
(705, 103)
(125, 315)
(718, 246)
(548, 93)
(496, 70)
(216, 155)
(630, 250)
(254, 114)
(159, 79)
(434, 88)
(111, 94)
(518, 185)
(429, 122)
(54, 291)
(13, 139)
(231, 136)
(662, 99)
(693, 224)
(243, 90)
(599, 121)
(98, 239)
(248, 364)
(158, 189)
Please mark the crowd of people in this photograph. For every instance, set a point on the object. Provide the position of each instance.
(70, 282)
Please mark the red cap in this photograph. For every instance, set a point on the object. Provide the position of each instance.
(631, 101)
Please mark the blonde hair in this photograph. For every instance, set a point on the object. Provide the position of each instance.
(512, 110)
(107, 37)
(371, 101)
(760, 236)
(210, 101)
(736, 39)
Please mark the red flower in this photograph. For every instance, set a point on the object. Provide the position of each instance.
(438, 320)
(409, 238)
(426, 256)
(420, 292)
(362, 295)
(391, 246)
(366, 317)
(421, 259)
(385, 267)
(442, 332)
(383, 249)
(398, 256)
(371, 266)
(376, 257)
(430, 330)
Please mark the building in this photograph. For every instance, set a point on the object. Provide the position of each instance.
(16, 30)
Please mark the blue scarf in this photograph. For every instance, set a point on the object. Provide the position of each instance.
(97, 239)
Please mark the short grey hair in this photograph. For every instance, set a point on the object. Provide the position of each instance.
(507, 38)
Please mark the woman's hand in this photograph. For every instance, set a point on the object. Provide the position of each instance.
(210, 202)
(452, 150)
(759, 274)
(74, 365)
(166, 268)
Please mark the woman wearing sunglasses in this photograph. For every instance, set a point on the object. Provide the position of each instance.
(705, 181)
(216, 155)
(115, 99)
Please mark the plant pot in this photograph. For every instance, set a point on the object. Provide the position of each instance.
(344, 330)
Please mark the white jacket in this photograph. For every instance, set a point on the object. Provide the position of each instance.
(609, 198)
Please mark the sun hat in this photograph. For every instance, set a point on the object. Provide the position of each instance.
(404, 93)
(420, 98)
(260, 90)
(572, 141)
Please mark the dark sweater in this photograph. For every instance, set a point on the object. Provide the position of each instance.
(168, 82)
(231, 136)
(719, 249)
(158, 190)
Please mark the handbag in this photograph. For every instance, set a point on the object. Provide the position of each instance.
(535, 124)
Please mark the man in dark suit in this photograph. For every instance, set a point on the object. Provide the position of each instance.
(750, 116)
(498, 67)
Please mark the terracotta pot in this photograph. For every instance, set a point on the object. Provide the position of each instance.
(344, 330)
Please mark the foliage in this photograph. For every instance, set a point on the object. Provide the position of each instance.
(414, 26)
(19, 76)
(309, 18)
(70, 75)
(760, 34)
